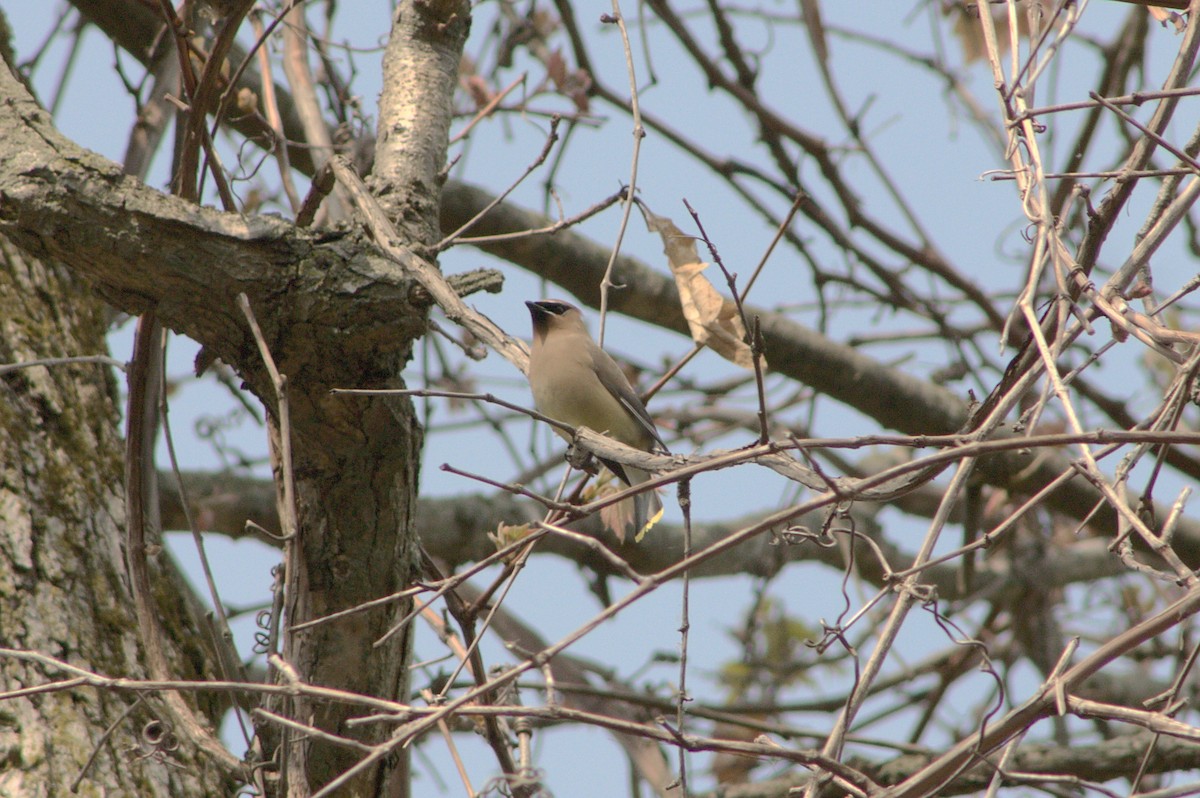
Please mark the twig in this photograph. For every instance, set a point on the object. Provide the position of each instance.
(907, 598)
(447, 585)
(486, 110)
(516, 490)
(224, 646)
(273, 119)
(550, 229)
(753, 333)
(685, 624)
(1136, 98)
(551, 138)
(295, 763)
(202, 96)
(617, 563)
(309, 731)
(62, 361)
(444, 728)
(82, 676)
(639, 133)
(287, 512)
(304, 99)
(780, 230)
(426, 273)
(477, 397)
(465, 616)
(99, 744)
(938, 772)
(145, 383)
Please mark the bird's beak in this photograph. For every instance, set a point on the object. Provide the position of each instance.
(536, 310)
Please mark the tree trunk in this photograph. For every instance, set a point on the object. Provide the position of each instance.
(357, 459)
(63, 590)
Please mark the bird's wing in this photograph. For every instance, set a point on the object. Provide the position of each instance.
(613, 380)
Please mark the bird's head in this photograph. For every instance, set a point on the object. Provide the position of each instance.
(554, 314)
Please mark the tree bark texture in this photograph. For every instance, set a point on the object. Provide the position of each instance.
(420, 72)
(63, 590)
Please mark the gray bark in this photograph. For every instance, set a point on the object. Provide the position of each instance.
(63, 590)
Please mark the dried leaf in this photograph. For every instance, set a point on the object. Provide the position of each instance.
(1163, 16)
(481, 93)
(712, 319)
(556, 68)
(545, 24)
(616, 518)
(247, 100)
(573, 84)
(970, 37)
(577, 87)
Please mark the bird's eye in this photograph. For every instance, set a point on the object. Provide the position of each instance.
(557, 308)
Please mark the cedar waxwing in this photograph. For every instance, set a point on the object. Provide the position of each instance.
(575, 381)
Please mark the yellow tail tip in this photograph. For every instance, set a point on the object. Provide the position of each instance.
(641, 534)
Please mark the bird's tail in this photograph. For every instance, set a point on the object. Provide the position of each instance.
(635, 515)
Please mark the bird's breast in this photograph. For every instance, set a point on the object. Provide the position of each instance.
(568, 390)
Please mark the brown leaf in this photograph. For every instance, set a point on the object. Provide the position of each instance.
(970, 36)
(577, 86)
(556, 68)
(616, 518)
(477, 86)
(1163, 16)
(712, 319)
(247, 101)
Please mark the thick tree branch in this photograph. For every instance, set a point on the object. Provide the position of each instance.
(454, 531)
(139, 247)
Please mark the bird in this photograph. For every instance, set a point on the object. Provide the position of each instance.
(574, 381)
